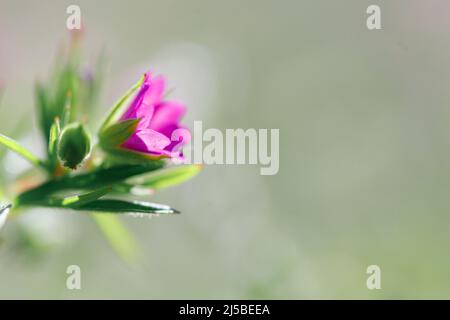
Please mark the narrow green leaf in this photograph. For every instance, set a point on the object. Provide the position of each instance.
(72, 202)
(107, 205)
(55, 130)
(20, 150)
(117, 107)
(42, 103)
(92, 180)
(118, 237)
(85, 198)
(167, 177)
(123, 206)
(66, 112)
(66, 92)
(4, 210)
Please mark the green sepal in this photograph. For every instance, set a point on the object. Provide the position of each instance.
(116, 134)
(113, 113)
(122, 155)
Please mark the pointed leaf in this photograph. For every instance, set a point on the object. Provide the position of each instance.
(123, 206)
(167, 177)
(55, 130)
(66, 112)
(4, 211)
(73, 201)
(20, 150)
(85, 198)
(109, 206)
(42, 103)
(92, 180)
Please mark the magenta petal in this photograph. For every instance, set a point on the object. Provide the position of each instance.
(158, 132)
(155, 93)
(143, 104)
(147, 140)
(131, 111)
(166, 115)
(179, 137)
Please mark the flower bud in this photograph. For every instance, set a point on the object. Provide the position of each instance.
(74, 145)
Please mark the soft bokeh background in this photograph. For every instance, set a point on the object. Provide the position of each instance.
(364, 149)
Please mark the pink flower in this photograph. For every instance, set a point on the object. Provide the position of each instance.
(158, 133)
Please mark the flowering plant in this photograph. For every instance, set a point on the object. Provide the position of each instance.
(138, 144)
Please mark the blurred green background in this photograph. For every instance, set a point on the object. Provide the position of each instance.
(364, 149)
